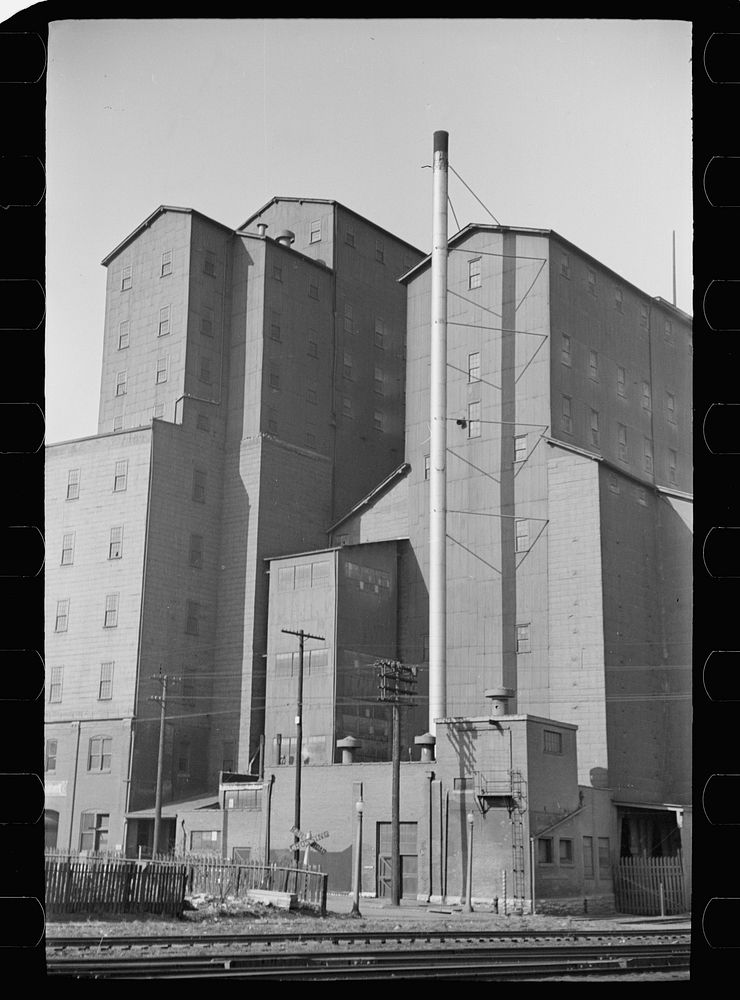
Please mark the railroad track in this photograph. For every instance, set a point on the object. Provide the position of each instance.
(492, 956)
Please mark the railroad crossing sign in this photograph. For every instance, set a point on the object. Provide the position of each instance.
(309, 840)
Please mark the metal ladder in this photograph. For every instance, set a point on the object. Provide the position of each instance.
(517, 840)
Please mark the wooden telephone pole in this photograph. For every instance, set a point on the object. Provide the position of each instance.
(163, 679)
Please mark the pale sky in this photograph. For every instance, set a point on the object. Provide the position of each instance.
(581, 126)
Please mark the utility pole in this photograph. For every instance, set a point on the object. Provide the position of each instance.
(302, 636)
(162, 699)
(397, 685)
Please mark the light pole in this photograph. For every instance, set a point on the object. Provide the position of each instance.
(469, 894)
(357, 875)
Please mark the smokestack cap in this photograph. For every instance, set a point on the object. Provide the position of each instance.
(427, 740)
(286, 237)
(348, 743)
(440, 142)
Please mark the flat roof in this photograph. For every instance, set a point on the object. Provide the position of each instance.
(150, 219)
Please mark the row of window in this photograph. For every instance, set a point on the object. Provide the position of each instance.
(110, 617)
(164, 327)
(166, 268)
(120, 480)
(565, 855)
(315, 236)
(314, 661)
(313, 749)
(314, 574)
(162, 373)
(99, 752)
(313, 284)
(115, 545)
(105, 683)
(312, 337)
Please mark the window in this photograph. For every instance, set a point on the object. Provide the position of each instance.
(117, 424)
(199, 485)
(111, 611)
(203, 422)
(319, 574)
(566, 851)
(277, 272)
(591, 277)
(303, 576)
(379, 381)
(474, 424)
(105, 686)
(593, 365)
(379, 252)
(566, 415)
(613, 484)
(474, 367)
(349, 237)
(621, 381)
(164, 321)
(204, 370)
(313, 290)
(162, 370)
(120, 476)
(311, 395)
(595, 427)
(62, 618)
(285, 749)
(275, 326)
(192, 618)
(647, 453)
(121, 381)
(124, 330)
(565, 265)
(56, 684)
(313, 345)
(272, 424)
(99, 753)
(672, 465)
(158, 411)
(565, 350)
(115, 545)
(427, 466)
(347, 407)
(647, 400)
(522, 639)
(544, 850)
(619, 300)
(668, 331)
(474, 274)
(378, 420)
(588, 857)
(243, 798)
(379, 333)
(206, 322)
(347, 366)
(274, 378)
(183, 759)
(94, 831)
(670, 405)
(286, 577)
(196, 551)
(68, 549)
(622, 443)
(50, 763)
(73, 484)
(126, 277)
(641, 496)
(520, 447)
(315, 236)
(166, 264)
(604, 857)
(553, 741)
(209, 263)
(205, 841)
(643, 318)
(349, 323)
(310, 439)
(521, 535)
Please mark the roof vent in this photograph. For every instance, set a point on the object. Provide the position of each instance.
(285, 238)
(262, 228)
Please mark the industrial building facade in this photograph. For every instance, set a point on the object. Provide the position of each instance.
(262, 463)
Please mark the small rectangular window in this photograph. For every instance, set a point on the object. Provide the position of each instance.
(565, 265)
(319, 574)
(126, 278)
(117, 424)
(51, 756)
(274, 378)
(111, 611)
(204, 370)
(553, 741)
(310, 439)
(593, 365)
(272, 424)
(158, 411)
(162, 370)
(347, 366)
(313, 345)
(379, 252)
(474, 367)
(591, 276)
(196, 551)
(121, 383)
(588, 857)
(68, 549)
(349, 237)
(120, 476)
(115, 544)
(209, 263)
(164, 321)
(621, 381)
(595, 427)
(315, 236)
(124, 330)
(105, 686)
(347, 407)
(99, 753)
(303, 576)
(62, 617)
(349, 322)
(647, 400)
(427, 466)
(56, 684)
(544, 850)
(670, 405)
(521, 535)
(286, 577)
(73, 484)
(379, 381)
(205, 841)
(203, 423)
(275, 325)
(566, 415)
(647, 451)
(522, 639)
(206, 322)
(618, 300)
(566, 851)
(311, 395)
(565, 350)
(192, 618)
(613, 484)
(668, 331)
(379, 333)
(604, 857)
(622, 442)
(199, 485)
(520, 447)
(474, 273)
(474, 425)
(672, 466)
(313, 290)
(641, 496)
(277, 272)
(643, 315)
(166, 264)
(378, 420)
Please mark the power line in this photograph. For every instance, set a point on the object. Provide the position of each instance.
(473, 194)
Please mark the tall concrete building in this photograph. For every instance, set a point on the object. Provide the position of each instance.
(252, 389)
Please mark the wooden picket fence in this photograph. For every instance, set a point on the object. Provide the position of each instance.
(89, 884)
(649, 886)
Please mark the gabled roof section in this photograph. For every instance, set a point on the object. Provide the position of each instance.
(336, 204)
(150, 219)
(373, 495)
(483, 227)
